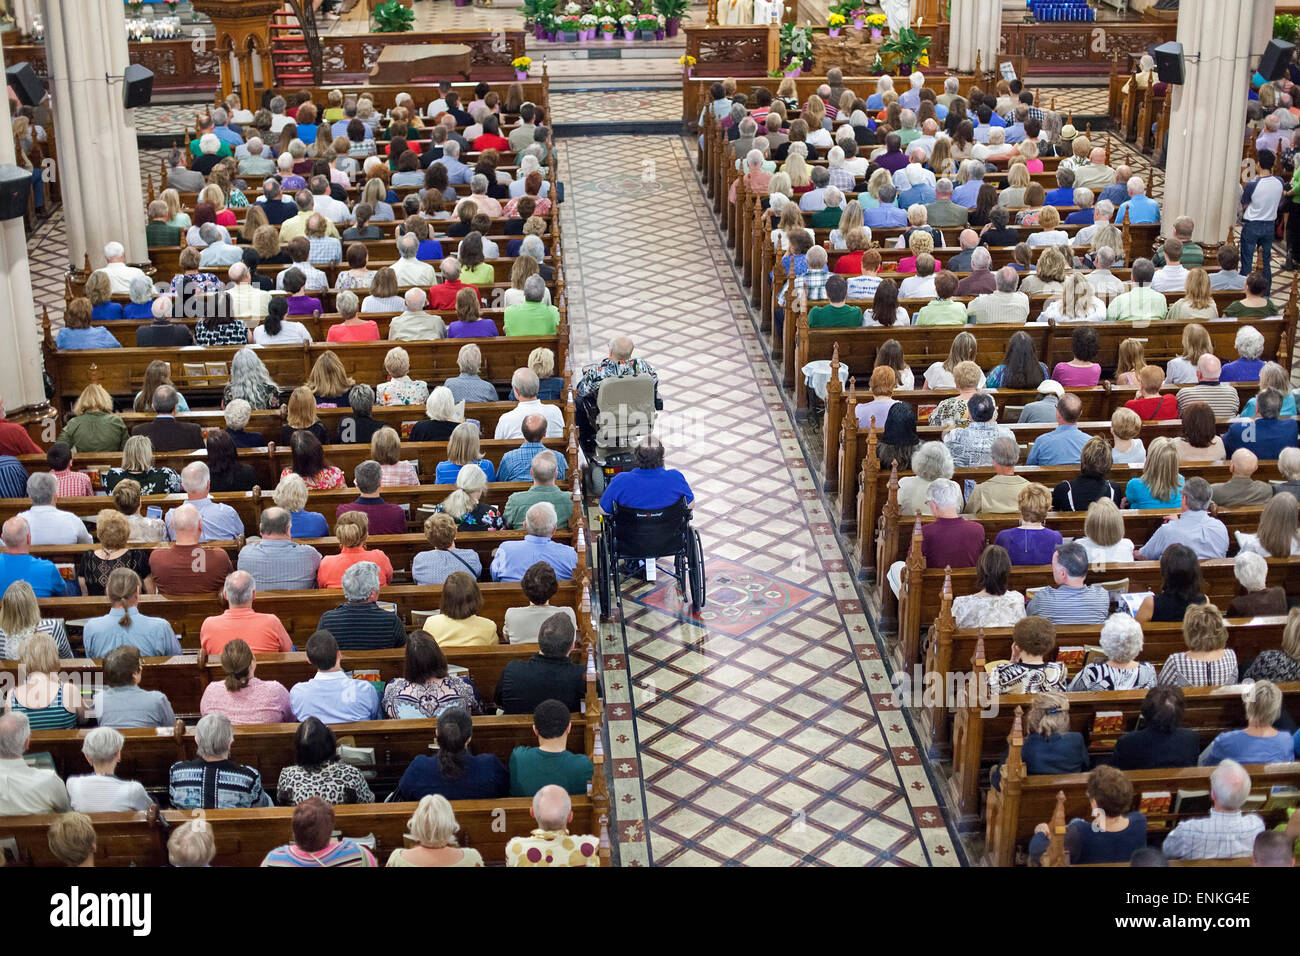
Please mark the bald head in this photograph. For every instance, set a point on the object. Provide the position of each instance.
(1208, 368)
(620, 348)
(1097, 156)
(16, 535)
(186, 524)
(1244, 463)
(552, 807)
(969, 239)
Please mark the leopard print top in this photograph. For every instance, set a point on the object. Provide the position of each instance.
(334, 782)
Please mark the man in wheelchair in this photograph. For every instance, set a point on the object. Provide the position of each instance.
(618, 364)
(649, 484)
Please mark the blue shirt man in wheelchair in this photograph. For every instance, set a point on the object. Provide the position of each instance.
(649, 484)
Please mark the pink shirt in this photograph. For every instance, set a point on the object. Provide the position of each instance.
(73, 484)
(263, 632)
(332, 566)
(1075, 376)
(261, 702)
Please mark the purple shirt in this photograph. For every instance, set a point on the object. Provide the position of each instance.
(1033, 546)
(1074, 376)
(479, 329)
(952, 542)
(893, 161)
(303, 305)
(385, 518)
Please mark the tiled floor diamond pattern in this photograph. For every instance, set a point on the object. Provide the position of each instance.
(757, 745)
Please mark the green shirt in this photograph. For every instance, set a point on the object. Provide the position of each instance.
(532, 768)
(530, 318)
(95, 431)
(481, 274)
(196, 152)
(834, 317)
(1237, 310)
(828, 218)
(1193, 256)
(160, 234)
(942, 312)
(517, 505)
(1137, 304)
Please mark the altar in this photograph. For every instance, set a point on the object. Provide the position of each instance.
(421, 63)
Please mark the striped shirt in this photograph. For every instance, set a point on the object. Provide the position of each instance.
(215, 785)
(1182, 671)
(1089, 604)
(1221, 397)
(103, 793)
(341, 853)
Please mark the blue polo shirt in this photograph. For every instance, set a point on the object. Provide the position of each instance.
(1064, 196)
(1141, 209)
(1061, 446)
(39, 573)
(646, 488)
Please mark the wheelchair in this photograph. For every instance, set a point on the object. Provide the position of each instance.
(620, 414)
(647, 534)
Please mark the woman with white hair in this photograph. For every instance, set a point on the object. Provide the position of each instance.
(238, 413)
(931, 462)
(1121, 639)
(1250, 346)
(1259, 741)
(353, 328)
(191, 844)
(209, 148)
(1077, 302)
(1251, 571)
(1274, 376)
(103, 791)
(433, 826)
(400, 389)
(250, 380)
(291, 494)
(885, 84)
(468, 386)
(850, 219)
(442, 414)
(465, 504)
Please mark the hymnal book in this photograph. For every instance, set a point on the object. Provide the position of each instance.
(1157, 801)
(1192, 802)
(1108, 722)
(66, 571)
(1282, 796)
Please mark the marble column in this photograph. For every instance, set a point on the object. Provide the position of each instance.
(21, 384)
(1221, 41)
(98, 161)
(975, 28)
(24, 11)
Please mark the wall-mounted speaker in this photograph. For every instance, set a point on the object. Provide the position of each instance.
(29, 87)
(1169, 63)
(137, 86)
(15, 189)
(1272, 65)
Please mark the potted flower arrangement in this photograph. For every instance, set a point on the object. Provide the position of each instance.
(647, 25)
(793, 68)
(587, 22)
(688, 64)
(628, 22)
(877, 23)
(570, 24)
(136, 7)
(834, 23)
(521, 65)
(608, 27)
(673, 13)
(906, 50)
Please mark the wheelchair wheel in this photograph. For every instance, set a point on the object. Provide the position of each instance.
(695, 569)
(604, 576)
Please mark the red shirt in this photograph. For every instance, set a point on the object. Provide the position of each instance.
(73, 484)
(367, 331)
(15, 440)
(444, 296)
(849, 264)
(227, 218)
(492, 141)
(1157, 409)
(263, 632)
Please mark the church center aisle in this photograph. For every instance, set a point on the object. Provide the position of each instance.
(764, 733)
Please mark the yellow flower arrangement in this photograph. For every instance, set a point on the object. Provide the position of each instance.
(876, 20)
(835, 20)
(924, 61)
(686, 61)
(521, 63)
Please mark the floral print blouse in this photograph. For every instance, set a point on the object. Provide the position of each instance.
(402, 391)
(404, 700)
(484, 517)
(326, 479)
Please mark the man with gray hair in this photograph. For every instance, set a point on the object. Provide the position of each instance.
(256, 160)
(325, 204)
(278, 207)
(165, 432)
(478, 192)
(1001, 493)
(276, 561)
(1268, 437)
(217, 251)
(1005, 305)
(1194, 527)
(457, 172)
(296, 225)
(972, 174)
(361, 623)
(220, 522)
(535, 249)
(468, 386)
(25, 789)
(513, 558)
(747, 129)
(815, 199)
(1071, 601)
(1102, 213)
(212, 781)
(384, 516)
(1104, 282)
(532, 316)
(415, 324)
(525, 386)
(543, 471)
(119, 273)
(1226, 833)
(944, 212)
(981, 280)
(553, 810)
(158, 231)
(17, 563)
(262, 632)
(46, 523)
(948, 541)
(886, 215)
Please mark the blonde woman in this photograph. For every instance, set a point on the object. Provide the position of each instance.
(95, 567)
(791, 220)
(1196, 303)
(524, 267)
(374, 194)
(942, 161)
(1131, 360)
(1160, 485)
(1127, 448)
(1273, 376)
(1208, 661)
(126, 496)
(1103, 534)
(1181, 370)
(156, 374)
(788, 93)
(176, 216)
(850, 219)
(1077, 303)
(939, 375)
(137, 465)
(48, 704)
(1259, 741)
(93, 426)
(881, 177)
(1106, 236)
(352, 529)
(291, 494)
(1050, 274)
(1276, 535)
(329, 381)
(400, 389)
(1031, 542)
(99, 290)
(1028, 148)
(301, 416)
(465, 504)
(1018, 181)
(1049, 231)
(550, 386)
(386, 448)
(1281, 665)
(797, 168)
(266, 243)
(462, 451)
(433, 827)
(20, 618)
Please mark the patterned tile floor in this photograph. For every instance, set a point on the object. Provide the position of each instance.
(762, 733)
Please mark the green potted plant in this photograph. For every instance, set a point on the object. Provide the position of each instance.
(673, 12)
(1286, 27)
(907, 50)
(393, 17)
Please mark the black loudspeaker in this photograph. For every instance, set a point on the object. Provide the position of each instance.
(1272, 65)
(29, 87)
(137, 86)
(1169, 63)
(15, 190)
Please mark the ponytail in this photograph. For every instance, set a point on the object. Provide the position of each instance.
(454, 731)
(123, 584)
